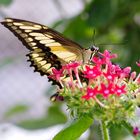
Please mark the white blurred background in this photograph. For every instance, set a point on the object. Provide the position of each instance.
(18, 82)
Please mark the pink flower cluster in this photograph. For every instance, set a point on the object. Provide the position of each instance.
(108, 75)
(98, 77)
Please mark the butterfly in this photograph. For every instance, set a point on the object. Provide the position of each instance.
(48, 48)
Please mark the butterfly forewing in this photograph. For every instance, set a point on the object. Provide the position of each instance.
(48, 48)
(35, 35)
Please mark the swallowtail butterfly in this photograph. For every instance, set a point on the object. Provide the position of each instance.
(48, 48)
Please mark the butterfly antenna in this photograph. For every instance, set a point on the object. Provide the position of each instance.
(116, 44)
(93, 36)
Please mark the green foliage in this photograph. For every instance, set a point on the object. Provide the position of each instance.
(17, 109)
(115, 22)
(119, 132)
(78, 30)
(101, 12)
(5, 2)
(54, 116)
(75, 130)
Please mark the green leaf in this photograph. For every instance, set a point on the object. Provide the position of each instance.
(75, 130)
(16, 110)
(5, 2)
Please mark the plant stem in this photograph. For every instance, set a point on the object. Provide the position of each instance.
(91, 133)
(105, 132)
(100, 103)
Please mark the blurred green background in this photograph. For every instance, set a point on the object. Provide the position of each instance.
(109, 24)
(117, 27)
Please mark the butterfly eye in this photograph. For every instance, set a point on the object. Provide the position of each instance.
(94, 49)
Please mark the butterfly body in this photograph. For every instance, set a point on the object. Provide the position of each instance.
(48, 48)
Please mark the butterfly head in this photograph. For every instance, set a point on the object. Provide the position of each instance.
(89, 53)
(94, 49)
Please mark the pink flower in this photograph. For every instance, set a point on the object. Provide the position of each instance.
(98, 61)
(56, 74)
(133, 75)
(72, 65)
(110, 76)
(107, 56)
(136, 131)
(120, 89)
(138, 80)
(125, 72)
(106, 90)
(91, 73)
(117, 69)
(91, 93)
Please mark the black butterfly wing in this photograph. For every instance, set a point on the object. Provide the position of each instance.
(48, 48)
